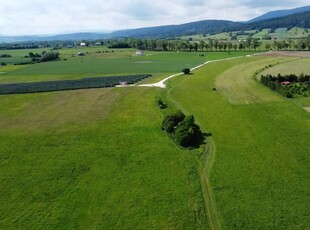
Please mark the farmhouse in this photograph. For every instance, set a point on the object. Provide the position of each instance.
(139, 53)
(82, 44)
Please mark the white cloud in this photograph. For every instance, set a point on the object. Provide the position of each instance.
(65, 16)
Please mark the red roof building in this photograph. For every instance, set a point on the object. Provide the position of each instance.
(285, 83)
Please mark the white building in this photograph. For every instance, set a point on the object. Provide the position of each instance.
(139, 53)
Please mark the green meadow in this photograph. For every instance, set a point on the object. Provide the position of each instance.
(259, 146)
(98, 159)
(94, 159)
(104, 64)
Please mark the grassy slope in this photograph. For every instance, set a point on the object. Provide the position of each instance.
(260, 174)
(248, 91)
(297, 32)
(93, 159)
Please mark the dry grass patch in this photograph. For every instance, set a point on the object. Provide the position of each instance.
(56, 109)
(238, 85)
(293, 67)
(307, 109)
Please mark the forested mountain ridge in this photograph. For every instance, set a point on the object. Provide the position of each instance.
(216, 26)
(295, 20)
(280, 13)
(205, 26)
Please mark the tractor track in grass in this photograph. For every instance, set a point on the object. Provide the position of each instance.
(205, 165)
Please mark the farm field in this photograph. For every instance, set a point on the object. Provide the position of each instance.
(93, 159)
(101, 64)
(297, 66)
(260, 150)
(296, 32)
(279, 34)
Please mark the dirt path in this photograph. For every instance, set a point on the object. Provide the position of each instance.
(161, 84)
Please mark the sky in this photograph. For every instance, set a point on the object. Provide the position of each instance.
(34, 17)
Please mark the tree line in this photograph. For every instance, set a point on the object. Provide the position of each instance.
(248, 44)
(288, 85)
(176, 44)
(185, 45)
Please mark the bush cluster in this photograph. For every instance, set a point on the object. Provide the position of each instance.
(288, 85)
(44, 57)
(161, 104)
(5, 56)
(182, 129)
(186, 70)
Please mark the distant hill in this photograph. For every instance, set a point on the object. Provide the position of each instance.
(301, 20)
(295, 20)
(78, 36)
(206, 26)
(280, 13)
(216, 26)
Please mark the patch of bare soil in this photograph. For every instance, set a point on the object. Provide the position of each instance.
(286, 54)
(307, 109)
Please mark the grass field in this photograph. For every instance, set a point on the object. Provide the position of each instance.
(295, 66)
(102, 64)
(248, 91)
(94, 159)
(261, 150)
(98, 159)
(296, 32)
(261, 34)
(280, 33)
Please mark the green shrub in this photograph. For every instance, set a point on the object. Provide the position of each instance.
(5, 56)
(183, 130)
(171, 121)
(186, 70)
(161, 104)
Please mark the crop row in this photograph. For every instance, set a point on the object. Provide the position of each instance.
(85, 83)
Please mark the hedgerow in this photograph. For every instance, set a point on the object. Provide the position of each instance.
(288, 85)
